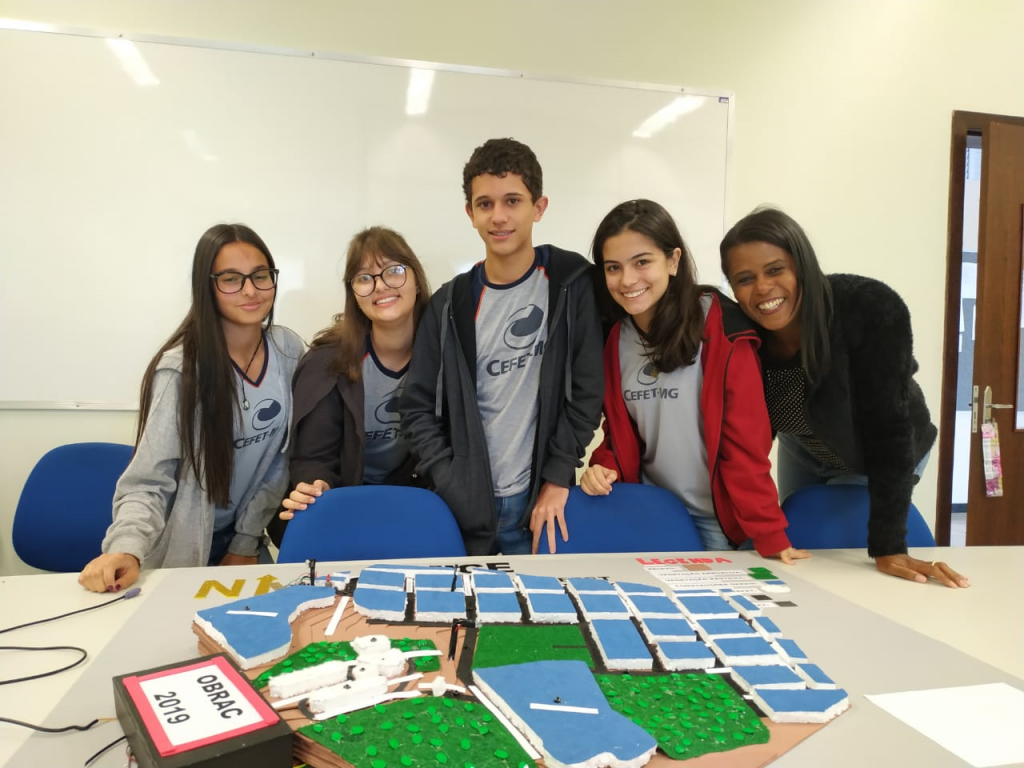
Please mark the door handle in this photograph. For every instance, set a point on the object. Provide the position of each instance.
(989, 405)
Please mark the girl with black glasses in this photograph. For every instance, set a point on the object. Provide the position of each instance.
(210, 455)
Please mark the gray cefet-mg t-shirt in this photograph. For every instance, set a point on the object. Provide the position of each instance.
(511, 331)
(385, 448)
(666, 410)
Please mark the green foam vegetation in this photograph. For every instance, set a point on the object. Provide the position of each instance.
(761, 573)
(498, 645)
(688, 714)
(422, 731)
(323, 651)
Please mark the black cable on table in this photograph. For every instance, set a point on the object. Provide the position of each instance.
(72, 665)
(126, 596)
(129, 594)
(44, 729)
(103, 750)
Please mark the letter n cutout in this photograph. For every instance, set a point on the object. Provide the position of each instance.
(211, 584)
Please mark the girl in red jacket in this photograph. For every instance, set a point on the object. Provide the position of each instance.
(684, 404)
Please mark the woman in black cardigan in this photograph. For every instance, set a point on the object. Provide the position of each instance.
(838, 367)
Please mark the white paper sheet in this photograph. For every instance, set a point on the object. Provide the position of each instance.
(980, 724)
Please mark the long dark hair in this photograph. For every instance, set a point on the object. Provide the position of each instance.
(678, 323)
(208, 400)
(766, 224)
(350, 327)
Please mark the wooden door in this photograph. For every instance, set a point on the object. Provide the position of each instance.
(999, 520)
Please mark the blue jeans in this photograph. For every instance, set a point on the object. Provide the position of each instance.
(512, 539)
(711, 535)
(221, 541)
(798, 468)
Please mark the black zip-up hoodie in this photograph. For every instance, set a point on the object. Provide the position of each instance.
(441, 417)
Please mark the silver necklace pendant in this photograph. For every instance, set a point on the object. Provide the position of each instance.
(245, 404)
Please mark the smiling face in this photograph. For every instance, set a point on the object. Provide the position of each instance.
(250, 306)
(637, 273)
(388, 306)
(503, 213)
(764, 280)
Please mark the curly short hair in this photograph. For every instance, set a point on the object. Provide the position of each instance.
(501, 157)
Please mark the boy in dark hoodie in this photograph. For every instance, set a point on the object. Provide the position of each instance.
(505, 386)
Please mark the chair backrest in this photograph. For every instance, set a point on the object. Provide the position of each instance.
(66, 505)
(836, 517)
(372, 522)
(632, 518)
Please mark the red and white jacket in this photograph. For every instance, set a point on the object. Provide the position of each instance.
(737, 431)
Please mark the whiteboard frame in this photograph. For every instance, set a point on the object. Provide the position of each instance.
(223, 45)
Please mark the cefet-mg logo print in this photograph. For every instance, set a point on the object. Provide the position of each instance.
(522, 335)
(647, 375)
(265, 413)
(523, 327)
(387, 412)
(264, 416)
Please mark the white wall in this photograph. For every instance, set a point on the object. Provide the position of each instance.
(842, 115)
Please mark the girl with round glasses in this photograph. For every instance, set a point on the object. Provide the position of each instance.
(347, 386)
(210, 454)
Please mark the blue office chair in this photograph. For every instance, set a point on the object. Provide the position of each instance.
(632, 518)
(836, 517)
(372, 522)
(65, 506)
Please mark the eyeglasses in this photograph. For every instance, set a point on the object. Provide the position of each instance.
(232, 282)
(365, 284)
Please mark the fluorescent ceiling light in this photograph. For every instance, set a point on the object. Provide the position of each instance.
(132, 63)
(417, 98)
(26, 26)
(664, 117)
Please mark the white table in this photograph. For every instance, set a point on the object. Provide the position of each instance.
(979, 623)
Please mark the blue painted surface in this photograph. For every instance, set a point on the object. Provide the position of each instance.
(768, 674)
(603, 603)
(633, 588)
(745, 646)
(620, 639)
(677, 629)
(542, 603)
(452, 604)
(338, 579)
(567, 736)
(791, 649)
(803, 699)
(722, 627)
(499, 602)
(492, 580)
(441, 580)
(685, 651)
(533, 583)
(745, 604)
(816, 674)
(708, 606)
(251, 636)
(591, 585)
(381, 578)
(768, 625)
(647, 605)
(375, 599)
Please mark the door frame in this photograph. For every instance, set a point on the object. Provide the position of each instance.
(963, 123)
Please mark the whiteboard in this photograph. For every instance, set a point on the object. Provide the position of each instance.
(110, 171)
